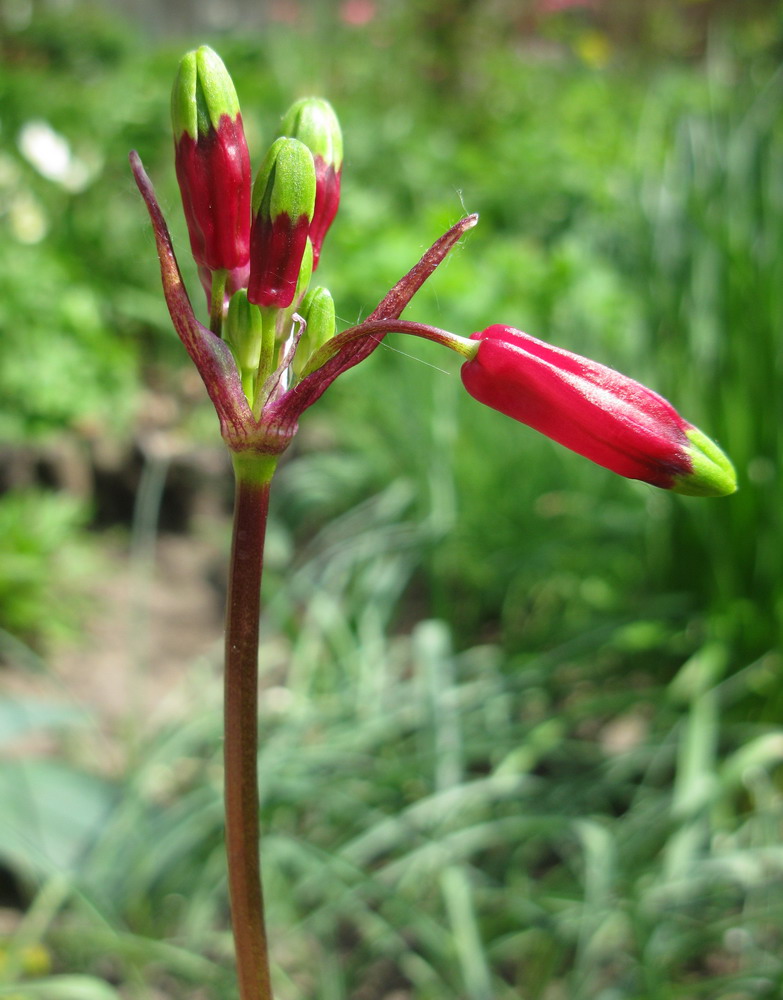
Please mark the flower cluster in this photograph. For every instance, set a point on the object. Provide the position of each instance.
(271, 348)
(256, 248)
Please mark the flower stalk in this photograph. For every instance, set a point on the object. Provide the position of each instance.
(253, 476)
(258, 418)
(217, 299)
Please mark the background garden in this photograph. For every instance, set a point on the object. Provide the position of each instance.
(520, 718)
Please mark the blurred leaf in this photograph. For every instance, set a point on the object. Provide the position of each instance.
(62, 988)
(19, 716)
(52, 814)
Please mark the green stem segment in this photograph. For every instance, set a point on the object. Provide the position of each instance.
(268, 357)
(253, 475)
(219, 280)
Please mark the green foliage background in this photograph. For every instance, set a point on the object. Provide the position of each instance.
(521, 723)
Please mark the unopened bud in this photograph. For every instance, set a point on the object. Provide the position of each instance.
(243, 330)
(212, 161)
(313, 121)
(595, 411)
(317, 310)
(283, 201)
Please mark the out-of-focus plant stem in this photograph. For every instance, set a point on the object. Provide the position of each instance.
(253, 475)
(219, 280)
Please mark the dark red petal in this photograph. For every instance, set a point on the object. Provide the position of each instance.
(327, 201)
(214, 178)
(276, 253)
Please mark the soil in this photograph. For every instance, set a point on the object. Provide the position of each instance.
(161, 530)
(151, 620)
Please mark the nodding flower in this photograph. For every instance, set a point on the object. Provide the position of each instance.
(595, 411)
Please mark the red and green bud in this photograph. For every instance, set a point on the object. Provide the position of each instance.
(596, 412)
(313, 121)
(283, 202)
(212, 161)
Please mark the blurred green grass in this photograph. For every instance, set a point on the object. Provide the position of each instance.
(520, 716)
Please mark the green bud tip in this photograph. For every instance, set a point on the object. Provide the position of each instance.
(712, 474)
(202, 93)
(285, 184)
(313, 121)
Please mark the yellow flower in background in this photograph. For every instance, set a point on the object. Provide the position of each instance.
(593, 48)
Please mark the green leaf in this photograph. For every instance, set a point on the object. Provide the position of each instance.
(62, 988)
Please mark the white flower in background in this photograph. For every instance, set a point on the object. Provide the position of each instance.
(50, 154)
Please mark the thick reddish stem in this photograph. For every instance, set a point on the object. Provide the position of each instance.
(251, 503)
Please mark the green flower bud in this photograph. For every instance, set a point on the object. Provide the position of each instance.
(243, 331)
(317, 310)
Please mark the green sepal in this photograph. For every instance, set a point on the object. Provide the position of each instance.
(202, 93)
(285, 184)
(711, 475)
(313, 121)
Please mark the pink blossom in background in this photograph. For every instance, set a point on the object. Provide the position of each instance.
(357, 12)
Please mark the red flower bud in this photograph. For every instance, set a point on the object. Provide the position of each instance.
(596, 412)
(212, 161)
(283, 200)
(313, 121)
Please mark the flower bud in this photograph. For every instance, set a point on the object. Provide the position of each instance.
(212, 161)
(596, 412)
(317, 310)
(244, 331)
(283, 200)
(313, 121)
